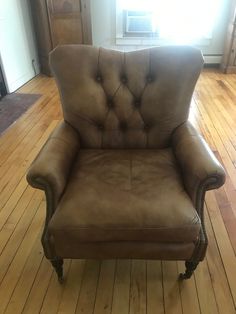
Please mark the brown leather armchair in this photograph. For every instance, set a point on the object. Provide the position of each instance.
(125, 173)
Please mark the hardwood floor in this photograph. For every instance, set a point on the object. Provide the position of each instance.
(27, 282)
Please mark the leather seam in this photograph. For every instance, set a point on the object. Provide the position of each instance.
(125, 229)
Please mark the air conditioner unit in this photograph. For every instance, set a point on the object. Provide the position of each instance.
(138, 22)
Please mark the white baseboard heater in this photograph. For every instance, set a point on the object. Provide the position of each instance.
(212, 59)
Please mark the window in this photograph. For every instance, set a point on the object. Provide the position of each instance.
(178, 21)
(139, 23)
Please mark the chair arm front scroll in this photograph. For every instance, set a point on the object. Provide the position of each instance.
(201, 170)
(51, 168)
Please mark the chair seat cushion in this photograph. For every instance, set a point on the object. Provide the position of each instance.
(125, 195)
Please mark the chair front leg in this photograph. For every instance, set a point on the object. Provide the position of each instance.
(190, 267)
(58, 266)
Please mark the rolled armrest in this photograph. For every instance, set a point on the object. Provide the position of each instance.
(201, 170)
(50, 169)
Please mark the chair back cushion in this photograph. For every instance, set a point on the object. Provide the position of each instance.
(125, 100)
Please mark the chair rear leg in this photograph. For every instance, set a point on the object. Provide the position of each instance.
(190, 267)
(57, 264)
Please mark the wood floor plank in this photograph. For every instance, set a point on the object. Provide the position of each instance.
(23, 144)
(14, 271)
(15, 239)
(227, 162)
(88, 289)
(24, 124)
(72, 287)
(188, 293)
(121, 292)
(13, 219)
(217, 272)
(38, 81)
(206, 296)
(138, 289)
(27, 148)
(226, 250)
(18, 184)
(54, 293)
(39, 288)
(172, 299)
(155, 295)
(105, 287)
(25, 282)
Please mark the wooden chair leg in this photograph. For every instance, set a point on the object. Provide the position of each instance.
(190, 267)
(58, 266)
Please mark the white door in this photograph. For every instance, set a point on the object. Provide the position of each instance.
(18, 54)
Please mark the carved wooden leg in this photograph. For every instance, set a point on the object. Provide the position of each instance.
(58, 266)
(190, 267)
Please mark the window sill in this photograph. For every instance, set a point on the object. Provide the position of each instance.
(145, 41)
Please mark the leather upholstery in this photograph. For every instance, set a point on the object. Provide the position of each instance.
(126, 100)
(199, 165)
(125, 174)
(124, 249)
(128, 191)
(52, 165)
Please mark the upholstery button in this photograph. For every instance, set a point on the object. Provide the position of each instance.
(149, 79)
(124, 79)
(146, 127)
(99, 78)
(100, 126)
(110, 103)
(123, 126)
(137, 103)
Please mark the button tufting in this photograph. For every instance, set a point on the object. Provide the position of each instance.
(137, 103)
(99, 78)
(146, 127)
(123, 126)
(150, 78)
(110, 103)
(100, 126)
(124, 79)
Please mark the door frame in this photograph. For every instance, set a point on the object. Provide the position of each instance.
(3, 88)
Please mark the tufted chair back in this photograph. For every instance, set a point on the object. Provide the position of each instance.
(125, 100)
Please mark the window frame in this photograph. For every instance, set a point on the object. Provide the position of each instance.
(146, 40)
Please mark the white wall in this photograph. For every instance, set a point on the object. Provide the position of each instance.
(104, 32)
(17, 43)
(103, 15)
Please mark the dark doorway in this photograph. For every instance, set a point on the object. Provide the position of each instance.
(3, 90)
